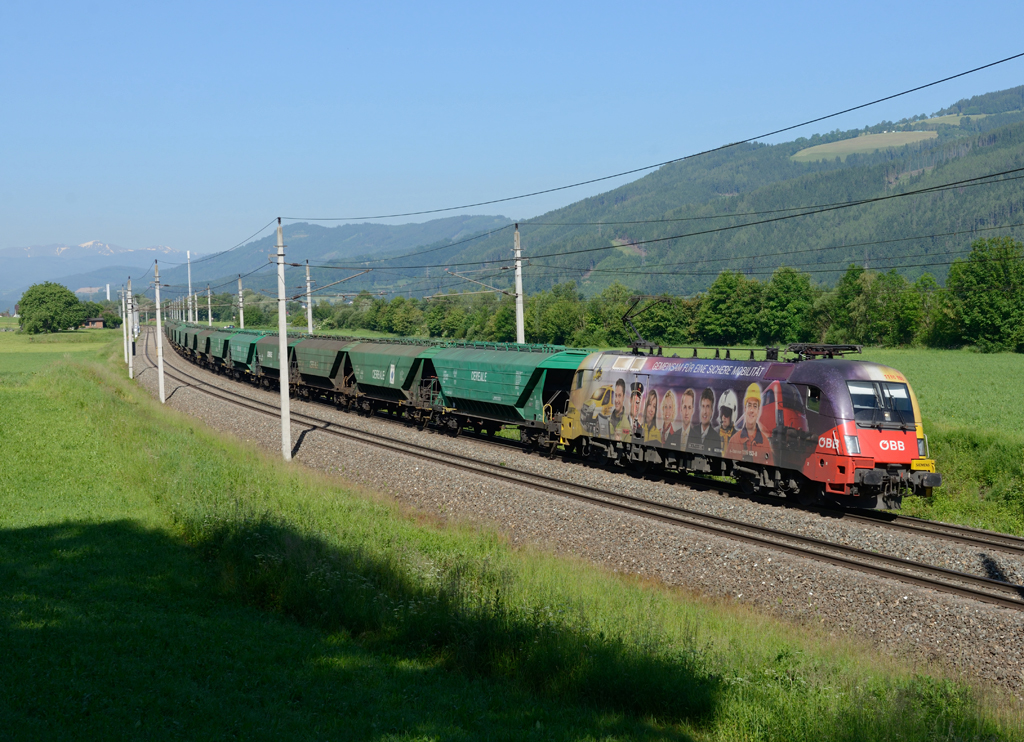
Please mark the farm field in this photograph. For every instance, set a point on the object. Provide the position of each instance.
(139, 600)
(23, 355)
(861, 145)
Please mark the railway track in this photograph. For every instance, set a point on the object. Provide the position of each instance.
(984, 589)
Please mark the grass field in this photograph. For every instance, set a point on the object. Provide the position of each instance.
(960, 388)
(861, 145)
(23, 355)
(263, 601)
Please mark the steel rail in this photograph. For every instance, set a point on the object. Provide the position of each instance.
(719, 526)
(964, 535)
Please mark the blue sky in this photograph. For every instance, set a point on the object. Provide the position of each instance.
(193, 124)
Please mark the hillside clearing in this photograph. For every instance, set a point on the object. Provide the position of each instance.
(861, 145)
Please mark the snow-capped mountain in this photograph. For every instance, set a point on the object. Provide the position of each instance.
(95, 262)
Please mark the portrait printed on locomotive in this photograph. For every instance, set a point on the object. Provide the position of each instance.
(725, 409)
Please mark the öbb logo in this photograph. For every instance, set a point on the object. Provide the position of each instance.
(824, 442)
(891, 445)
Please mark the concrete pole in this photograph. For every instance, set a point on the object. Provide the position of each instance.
(124, 325)
(108, 292)
(282, 349)
(131, 337)
(188, 257)
(209, 308)
(520, 324)
(241, 306)
(159, 336)
(309, 303)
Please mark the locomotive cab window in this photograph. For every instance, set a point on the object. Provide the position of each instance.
(579, 379)
(881, 402)
(814, 399)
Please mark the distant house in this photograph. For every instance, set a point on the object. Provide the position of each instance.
(93, 323)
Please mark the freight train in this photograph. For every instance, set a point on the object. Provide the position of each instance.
(805, 422)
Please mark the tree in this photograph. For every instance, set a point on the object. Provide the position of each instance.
(50, 307)
(787, 302)
(833, 316)
(728, 312)
(503, 322)
(986, 295)
(888, 311)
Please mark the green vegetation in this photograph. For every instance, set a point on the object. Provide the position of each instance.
(865, 144)
(981, 306)
(23, 355)
(50, 307)
(261, 601)
(1000, 101)
(952, 119)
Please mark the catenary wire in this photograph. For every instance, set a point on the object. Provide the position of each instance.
(666, 162)
(965, 183)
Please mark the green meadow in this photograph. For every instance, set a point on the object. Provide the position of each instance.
(864, 144)
(163, 581)
(23, 355)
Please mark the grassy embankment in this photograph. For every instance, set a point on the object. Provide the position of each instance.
(261, 600)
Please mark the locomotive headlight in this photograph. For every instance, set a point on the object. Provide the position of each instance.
(922, 447)
(852, 444)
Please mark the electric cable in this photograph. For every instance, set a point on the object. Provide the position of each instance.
(660, 164)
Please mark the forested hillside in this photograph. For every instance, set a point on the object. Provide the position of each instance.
(674, 230)
(697, 201)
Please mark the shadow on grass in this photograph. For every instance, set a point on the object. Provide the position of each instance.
(460, 613)
(115, 631)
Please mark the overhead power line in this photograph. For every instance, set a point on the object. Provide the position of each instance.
(965, 183)
(659, 164)
(733, 258)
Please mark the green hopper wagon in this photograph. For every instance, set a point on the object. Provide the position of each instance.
(507, 382)
(267, 352)
(242, 349)
(387, 370)
(321, 362)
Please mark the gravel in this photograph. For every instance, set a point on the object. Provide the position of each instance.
(973, 638)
